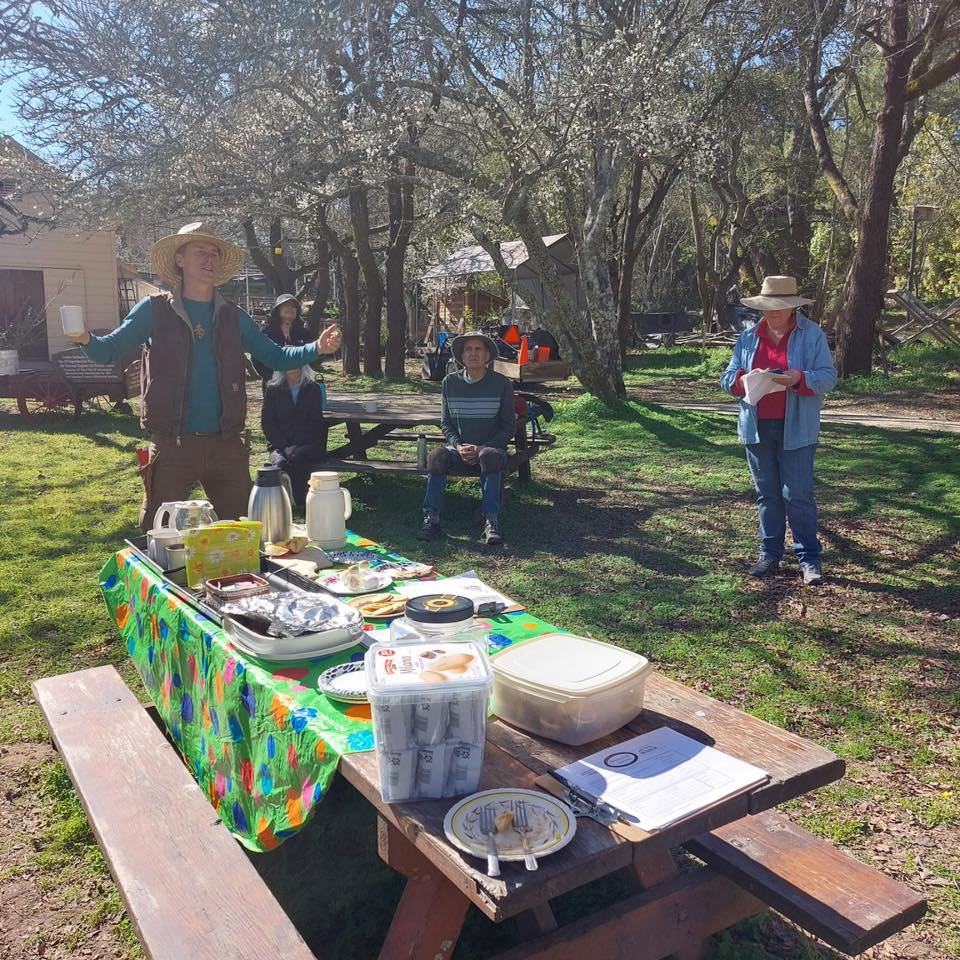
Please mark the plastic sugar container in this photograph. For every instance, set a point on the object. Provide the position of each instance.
(429, 704)
(438, 617)
(568, 688)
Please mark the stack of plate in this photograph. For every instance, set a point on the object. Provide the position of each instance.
(346, 683)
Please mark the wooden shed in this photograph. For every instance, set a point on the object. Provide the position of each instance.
(45, 267)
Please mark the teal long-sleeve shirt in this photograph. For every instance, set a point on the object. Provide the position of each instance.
(203, 394)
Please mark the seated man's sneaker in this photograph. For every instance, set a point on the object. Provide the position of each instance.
(765, 566)
(812, 577)
(430, 529)
(491, 532)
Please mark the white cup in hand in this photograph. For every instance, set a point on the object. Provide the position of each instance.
(73, 324)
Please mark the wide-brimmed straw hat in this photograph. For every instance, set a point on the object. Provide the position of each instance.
(163, 253)
(456, 348)
(777, 293)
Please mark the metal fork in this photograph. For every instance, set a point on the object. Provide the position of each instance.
(521, 824)
(488, 826)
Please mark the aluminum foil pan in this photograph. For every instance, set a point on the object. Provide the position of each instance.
(290, 614)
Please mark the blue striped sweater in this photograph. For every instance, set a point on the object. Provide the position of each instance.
(481, 412)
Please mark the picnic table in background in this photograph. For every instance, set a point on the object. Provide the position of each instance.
(373, 418)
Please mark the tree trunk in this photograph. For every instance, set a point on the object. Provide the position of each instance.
(700, 259)
(800, 181)
(360, 220)
(350, 321)
(857, 320)
(628, 258)
(321, 289)
(271, 264)
(400, 206)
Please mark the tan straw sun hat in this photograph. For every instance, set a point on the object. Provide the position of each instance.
(777, 293)
(163, 253)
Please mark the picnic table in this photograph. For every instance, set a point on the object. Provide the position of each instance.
(263, 745)
(374, 418)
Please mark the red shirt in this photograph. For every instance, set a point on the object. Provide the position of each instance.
(772, 356)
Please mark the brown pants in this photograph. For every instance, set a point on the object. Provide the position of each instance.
(220, 465)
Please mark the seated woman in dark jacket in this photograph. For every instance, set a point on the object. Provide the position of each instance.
(292, 421)
(285, 327)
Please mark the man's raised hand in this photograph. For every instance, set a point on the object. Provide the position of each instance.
(329, 340)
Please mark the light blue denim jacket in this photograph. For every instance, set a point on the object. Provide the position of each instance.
(808, 351)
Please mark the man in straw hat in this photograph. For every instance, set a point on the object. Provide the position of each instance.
(193, 373)
(780, 370)
(478, 419)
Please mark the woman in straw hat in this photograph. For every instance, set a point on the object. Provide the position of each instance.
(780, 370)
(194, 398)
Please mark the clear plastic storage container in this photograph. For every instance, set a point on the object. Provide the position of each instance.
(438, 616)
(568, 688)
(429, 706)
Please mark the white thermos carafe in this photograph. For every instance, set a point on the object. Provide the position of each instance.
(328, 507)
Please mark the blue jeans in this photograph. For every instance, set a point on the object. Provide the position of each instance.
(784, 482)
(490, 481)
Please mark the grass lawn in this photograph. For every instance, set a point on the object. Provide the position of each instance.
(637, 529)
(922, 378)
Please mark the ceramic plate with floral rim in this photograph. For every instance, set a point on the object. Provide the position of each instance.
(552, 823)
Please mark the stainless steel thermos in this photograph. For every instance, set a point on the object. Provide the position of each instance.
(270, 503)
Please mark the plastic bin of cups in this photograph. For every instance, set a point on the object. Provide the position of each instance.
(429, 706)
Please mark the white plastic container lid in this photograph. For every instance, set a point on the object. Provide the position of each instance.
(561, 663)
(436, 666)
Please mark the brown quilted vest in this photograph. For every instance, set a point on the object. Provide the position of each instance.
(165, 365)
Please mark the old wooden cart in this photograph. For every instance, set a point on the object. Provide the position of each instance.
(71, 379)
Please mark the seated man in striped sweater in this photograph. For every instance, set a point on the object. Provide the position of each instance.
(478, 420)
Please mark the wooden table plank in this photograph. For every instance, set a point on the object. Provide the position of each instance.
(796, 766)
(397, 409)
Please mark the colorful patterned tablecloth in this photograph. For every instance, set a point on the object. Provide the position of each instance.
(260, 738)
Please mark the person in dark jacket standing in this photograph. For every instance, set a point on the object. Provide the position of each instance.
(286, 328)
(292, 421)
(478, 419)
(193, 372)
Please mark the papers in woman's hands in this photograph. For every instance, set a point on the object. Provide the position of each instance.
(757, 384)
(661, 777)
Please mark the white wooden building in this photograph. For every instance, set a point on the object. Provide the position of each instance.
(47, 267)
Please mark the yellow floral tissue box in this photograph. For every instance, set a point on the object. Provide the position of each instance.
(222, 550)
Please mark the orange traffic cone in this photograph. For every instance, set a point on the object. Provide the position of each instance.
(512, 335)
(524, 352)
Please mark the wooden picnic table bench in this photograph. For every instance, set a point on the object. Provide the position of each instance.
(168, 851)
(189, 889)
(392, 419)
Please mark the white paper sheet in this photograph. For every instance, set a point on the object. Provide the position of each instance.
(757, 384)
(661, 777)
(463, 585)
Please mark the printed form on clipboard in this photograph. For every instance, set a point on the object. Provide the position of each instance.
(660, 777)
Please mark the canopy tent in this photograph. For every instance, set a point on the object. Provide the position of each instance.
(473, 260)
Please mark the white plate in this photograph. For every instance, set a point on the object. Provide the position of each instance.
(346, 682)
(552, 823)
(333, 584)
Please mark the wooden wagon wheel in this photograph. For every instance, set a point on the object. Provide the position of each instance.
(44, 394)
